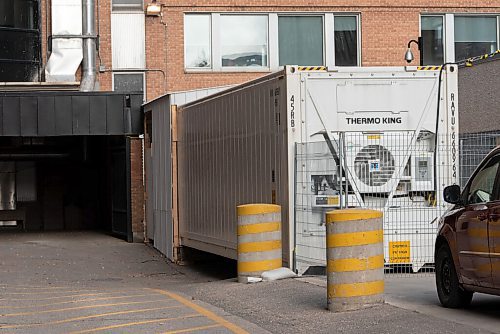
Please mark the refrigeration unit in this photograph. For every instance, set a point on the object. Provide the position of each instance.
(314, 139)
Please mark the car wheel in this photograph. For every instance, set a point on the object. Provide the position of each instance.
(450, 292)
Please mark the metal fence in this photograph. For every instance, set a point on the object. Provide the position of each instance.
(473, 148)
(399, 173)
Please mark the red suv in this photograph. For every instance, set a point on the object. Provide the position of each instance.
(467, 254)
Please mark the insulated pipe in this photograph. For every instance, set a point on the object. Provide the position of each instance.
(89, 71)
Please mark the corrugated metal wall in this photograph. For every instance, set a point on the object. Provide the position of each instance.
(158, 166)
(232, 150)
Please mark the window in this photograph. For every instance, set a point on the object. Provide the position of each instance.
(128, 5)
(482, 186)
(128, 82)
(262, 42)
(300, 40)
(346, 41)
(244, 40)
(474, 36)
(432, 39)
(197, 48)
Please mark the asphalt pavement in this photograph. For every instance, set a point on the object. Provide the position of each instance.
(86, 282)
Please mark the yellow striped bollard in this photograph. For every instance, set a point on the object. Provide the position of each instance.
(355, 259)
(259, 239)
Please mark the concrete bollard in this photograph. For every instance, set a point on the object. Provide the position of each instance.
(259, 239)
(355, 259)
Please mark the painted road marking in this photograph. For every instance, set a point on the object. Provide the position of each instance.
(209, 314)
(66, 291)
(193, 329)
(90, 317)
(78, 308)
(59, 297)
(105, 296)
(72, 301)
(31, 287)
(129, 324)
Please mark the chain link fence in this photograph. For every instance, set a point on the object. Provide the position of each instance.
(399, 173)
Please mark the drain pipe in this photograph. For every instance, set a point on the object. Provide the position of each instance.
(89, 71)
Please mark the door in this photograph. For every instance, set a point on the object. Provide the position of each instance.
(121, 223)
(472, 225)
(494, 244)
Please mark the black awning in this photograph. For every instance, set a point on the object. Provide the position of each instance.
(57, 113)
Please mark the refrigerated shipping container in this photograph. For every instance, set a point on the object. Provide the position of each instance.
(158, 167)
(240, 146)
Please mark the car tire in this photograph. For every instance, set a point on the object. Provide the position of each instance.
(450, 293)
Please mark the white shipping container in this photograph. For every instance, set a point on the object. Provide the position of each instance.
(240, 146)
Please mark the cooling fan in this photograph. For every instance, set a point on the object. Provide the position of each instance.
(374, 165)
(374, 160)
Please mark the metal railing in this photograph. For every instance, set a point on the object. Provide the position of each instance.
(402, 174)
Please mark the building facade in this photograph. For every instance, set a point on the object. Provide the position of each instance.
(200, 44)
(215, 43)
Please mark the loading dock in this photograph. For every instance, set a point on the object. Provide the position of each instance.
(68, 156)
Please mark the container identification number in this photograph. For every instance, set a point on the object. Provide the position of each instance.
(292, 111)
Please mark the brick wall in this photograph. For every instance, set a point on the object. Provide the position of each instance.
(386, 28)
(137, 188)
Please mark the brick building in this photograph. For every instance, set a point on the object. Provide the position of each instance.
(201, 38)
(199, 44)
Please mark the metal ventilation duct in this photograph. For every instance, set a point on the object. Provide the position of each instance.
(67, 52)
(89, 72)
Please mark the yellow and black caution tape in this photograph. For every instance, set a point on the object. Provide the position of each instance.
(470, 61)
(428, 68)
(311, 68)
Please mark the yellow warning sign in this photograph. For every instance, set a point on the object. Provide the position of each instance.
(399, 251)
(333, 200)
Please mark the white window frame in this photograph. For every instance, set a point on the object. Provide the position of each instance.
(211, 42)
(273, 40)
(241, 68)
(322, 15)
(449, 30)
(131, 72)
(331, 30)
(445, 35)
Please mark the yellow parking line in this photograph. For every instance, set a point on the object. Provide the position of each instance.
(78, 308)
(72, 302)
(59, 297)
(56, 292)
(90, 317)
(7, 286)
(129, 324)
(41, 292)
(193, 329)
(209, 314)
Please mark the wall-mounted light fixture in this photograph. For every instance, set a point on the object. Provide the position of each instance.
(153, 8)
(409, 55)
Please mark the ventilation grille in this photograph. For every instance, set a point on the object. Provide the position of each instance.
(374, 165)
